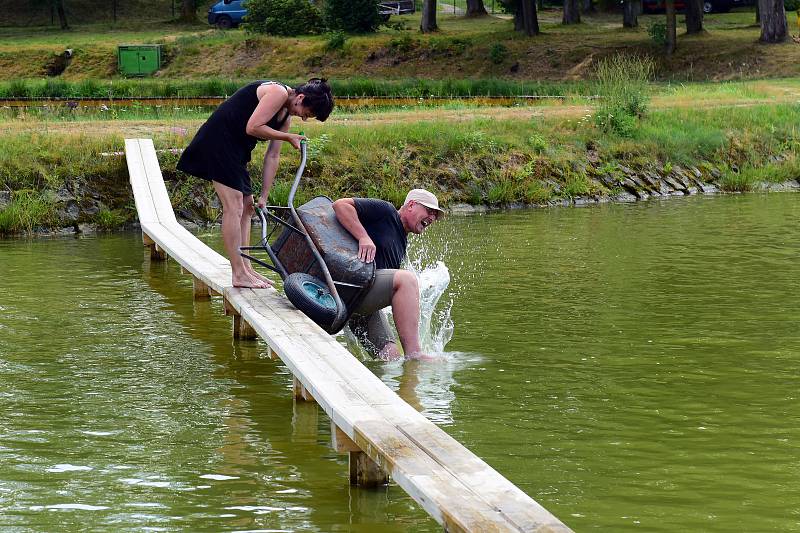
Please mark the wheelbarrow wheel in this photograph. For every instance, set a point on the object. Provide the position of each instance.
(312, 297)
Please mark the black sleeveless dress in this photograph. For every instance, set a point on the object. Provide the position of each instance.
(221, 148)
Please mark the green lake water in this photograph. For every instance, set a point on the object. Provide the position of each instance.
(631, 367)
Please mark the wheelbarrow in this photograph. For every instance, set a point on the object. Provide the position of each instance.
(315, 256)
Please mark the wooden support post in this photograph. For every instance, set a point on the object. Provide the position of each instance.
(301, 394)
(341, 442)
(241, 329)
(363, 470)
(200, 289)
(156, 253)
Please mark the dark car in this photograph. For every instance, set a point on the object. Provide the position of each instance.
(709, 6)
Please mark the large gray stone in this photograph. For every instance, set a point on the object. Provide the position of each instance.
(5, 199)
(624, 197)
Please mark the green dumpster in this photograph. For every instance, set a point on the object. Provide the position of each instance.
(138, 59)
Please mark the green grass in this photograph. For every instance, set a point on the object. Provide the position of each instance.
(361, 87)
(29, 209)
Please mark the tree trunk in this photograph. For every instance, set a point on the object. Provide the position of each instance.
(630, 14)
(530, 21)
(539, 4)
(758, 14)
(694, 16)
(62, 16)
(572, 14)
(475, 8)
(672, 36)
(774, 26)
(587, 6)
(519, 22)
(428, 23)
(188, 11)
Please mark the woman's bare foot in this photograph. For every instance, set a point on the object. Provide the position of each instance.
(248, 282)
(254, 274)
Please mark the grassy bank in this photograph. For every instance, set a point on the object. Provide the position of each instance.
(51, 175)
(463, 48)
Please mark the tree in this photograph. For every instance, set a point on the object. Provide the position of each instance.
(354, 16)
(521, 10)
(774, 26)
(572, 14)
(694, 16)
(282, 17)
(630, 13)
(428, 23)
(188, 11)
(475, 8)
(672, 37)
(587, 6)
(530, 22)
(62, 16)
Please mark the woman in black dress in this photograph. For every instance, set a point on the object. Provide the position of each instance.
(221, 149)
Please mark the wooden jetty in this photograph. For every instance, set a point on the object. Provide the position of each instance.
(383, 435)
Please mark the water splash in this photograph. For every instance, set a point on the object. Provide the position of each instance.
(435, 327)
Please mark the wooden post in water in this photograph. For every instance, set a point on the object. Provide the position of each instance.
(241, 329)
(301, 394)
(363, 470)
(156, 253)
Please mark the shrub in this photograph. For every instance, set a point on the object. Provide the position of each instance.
(538, 143)
(658, 33)
(498, 53)
(335, 41)
(282, 17)
(622, 84)
(791, 5)
(354, 16)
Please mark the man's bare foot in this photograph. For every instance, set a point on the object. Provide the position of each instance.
(248, 282)
(389, 352)
(419, 356)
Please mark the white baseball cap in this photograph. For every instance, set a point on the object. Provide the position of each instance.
(426, 198)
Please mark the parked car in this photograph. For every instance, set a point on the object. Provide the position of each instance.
(709, 6)
(226, 14)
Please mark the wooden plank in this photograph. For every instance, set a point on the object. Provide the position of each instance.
(155, 181)
(145, 207)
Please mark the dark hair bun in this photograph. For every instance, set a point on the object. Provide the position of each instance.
(317, 96)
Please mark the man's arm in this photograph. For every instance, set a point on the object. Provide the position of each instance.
(345, 209)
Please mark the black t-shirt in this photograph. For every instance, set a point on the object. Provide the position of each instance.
(384, 227)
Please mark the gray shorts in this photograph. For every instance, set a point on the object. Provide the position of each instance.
(368, 323)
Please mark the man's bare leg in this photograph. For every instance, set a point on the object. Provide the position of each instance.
(405, 309)
(247, 216)
(232, 208)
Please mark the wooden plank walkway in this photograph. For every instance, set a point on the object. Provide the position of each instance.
(383, 434)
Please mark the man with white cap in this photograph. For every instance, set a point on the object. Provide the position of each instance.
(381, 231)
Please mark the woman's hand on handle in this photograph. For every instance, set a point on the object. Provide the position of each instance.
(295, 139)
(262, 202)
